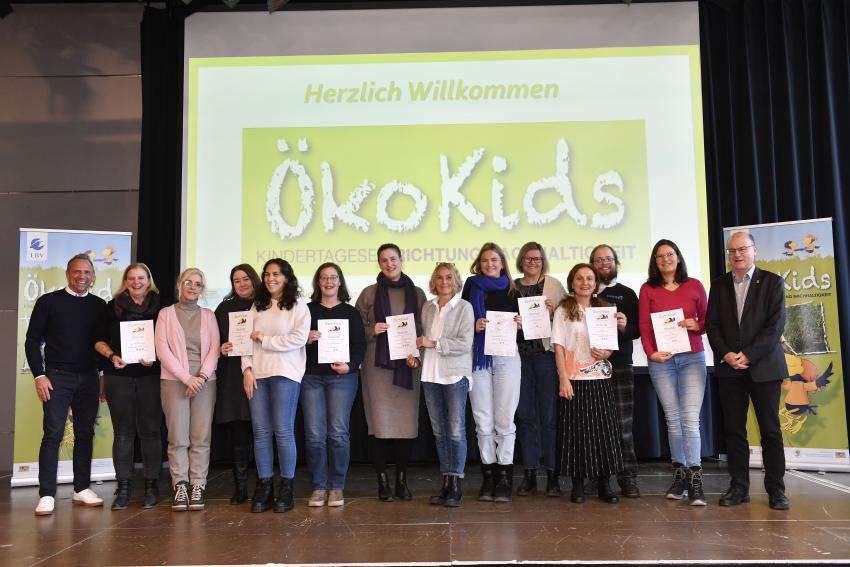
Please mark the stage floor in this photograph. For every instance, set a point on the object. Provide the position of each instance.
(365, 530)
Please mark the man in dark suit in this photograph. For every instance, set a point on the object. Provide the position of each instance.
(744, 323)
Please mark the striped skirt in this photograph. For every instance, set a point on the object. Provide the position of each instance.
(589, 431)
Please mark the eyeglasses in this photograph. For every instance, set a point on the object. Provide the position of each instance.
(665, 256)
(604, 260)
(328, 278)
(533, 260)
(738, 250)
(190, 283)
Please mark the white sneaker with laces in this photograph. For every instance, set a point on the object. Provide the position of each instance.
(45, 506)
(87, 497)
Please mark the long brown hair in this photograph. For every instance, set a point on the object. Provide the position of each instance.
(569, 304)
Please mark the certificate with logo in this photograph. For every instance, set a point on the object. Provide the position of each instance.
(239, 335)
(500, 334)
(137, 341)
(333, 344)
(669, 336)
(602, 327)
(401, 335)
(535, 317)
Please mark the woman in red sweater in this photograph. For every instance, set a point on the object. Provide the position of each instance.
(678, 378)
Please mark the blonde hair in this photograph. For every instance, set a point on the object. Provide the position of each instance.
(475, 268)
(185, 274)
(456, 281)
(137, 266)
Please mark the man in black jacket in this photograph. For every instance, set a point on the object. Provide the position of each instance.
(66, 321)
(744, 323)
(605, 261)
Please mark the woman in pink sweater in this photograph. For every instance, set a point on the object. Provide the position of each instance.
(678, 379)
(187, 349)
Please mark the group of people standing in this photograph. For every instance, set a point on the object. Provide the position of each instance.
(569, 404)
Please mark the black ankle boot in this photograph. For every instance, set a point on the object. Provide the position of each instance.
(240, 475)
(285, 501)
(385, 494)
(488, 482)
(454, 497)
(528, 486)
(577, 491)
(503, 492)
(605, 493)
(263, 498)
(440, 499)
(553, 484)
(122, 495)
(402, 491)
(151, 493)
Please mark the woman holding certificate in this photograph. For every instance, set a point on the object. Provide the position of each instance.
(495, 369)
(231, 404)
(187, 347)
(539, 294)
(336, 346)
(448, 324)
(272, 380)
(131, 382)
(672, 310)
(390, 387)
(589, 429)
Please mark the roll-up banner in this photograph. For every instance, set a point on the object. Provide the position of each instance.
(44, 254)
(811, 408)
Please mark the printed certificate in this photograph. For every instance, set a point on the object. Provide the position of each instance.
(500, 334)
(333, 344)
(601, 327)
(669, 336)
(535, 317)
(137, 341)
(401, 335)
(241, 327)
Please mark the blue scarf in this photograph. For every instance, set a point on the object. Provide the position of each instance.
(480, 284)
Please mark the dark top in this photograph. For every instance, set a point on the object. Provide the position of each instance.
(69, 327)
(531, 346)
(111, 330)
(627, 303)
(231, 403)
(356, 336)
(500, 300)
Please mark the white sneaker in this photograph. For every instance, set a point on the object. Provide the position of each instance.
(87, 497)
(45, 506)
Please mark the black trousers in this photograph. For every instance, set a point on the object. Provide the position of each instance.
(79, 392)
(735, 394)
(623, 380)
(136, 409)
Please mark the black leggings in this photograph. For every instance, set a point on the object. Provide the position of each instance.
(136, 410)
(398, 449)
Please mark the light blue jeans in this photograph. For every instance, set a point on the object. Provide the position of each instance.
(680, 385)
(447, 410)
(273, 419)
(494, 398)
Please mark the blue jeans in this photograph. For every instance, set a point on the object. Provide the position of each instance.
(273, 415)
(447, 410)
(680, 385)
(326, 404)
(537, 409)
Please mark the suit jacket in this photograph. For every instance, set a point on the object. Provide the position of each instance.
(758, 335)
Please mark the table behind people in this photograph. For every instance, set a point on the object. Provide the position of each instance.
(390, 388)
(66, 321)
(132, 389)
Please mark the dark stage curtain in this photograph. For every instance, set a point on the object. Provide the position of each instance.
(776, 103)
(776, 98)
